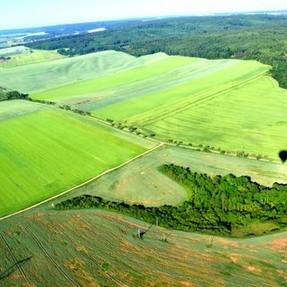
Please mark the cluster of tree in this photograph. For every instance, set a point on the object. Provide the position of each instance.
(258, 37)
(216, 205)
(6, 95)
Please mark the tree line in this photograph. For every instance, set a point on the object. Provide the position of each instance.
(215, 205)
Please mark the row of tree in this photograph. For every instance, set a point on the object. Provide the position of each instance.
(197, 147)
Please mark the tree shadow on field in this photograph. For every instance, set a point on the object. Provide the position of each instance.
(13, 268)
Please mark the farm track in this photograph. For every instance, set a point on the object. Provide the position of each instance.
(84, 183)
(19, 267)
(46, 253)
(183, 105)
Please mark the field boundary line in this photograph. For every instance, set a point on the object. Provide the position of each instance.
(84, 183)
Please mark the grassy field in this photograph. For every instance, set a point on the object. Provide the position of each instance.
(250, 119)
(20, 56)
(47, 75)
(15, 108)
(85, 248)
(141, 182)
(45, 151)
(192, 100)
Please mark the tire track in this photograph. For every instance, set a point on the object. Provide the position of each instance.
(46, 253)
(183, 105)
(96, 262)
(93, 259)
(19, 267)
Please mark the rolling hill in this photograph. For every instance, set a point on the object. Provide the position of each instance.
(50, 74)
(231, 105)
(191, 100)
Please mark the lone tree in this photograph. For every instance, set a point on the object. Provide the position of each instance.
(141, 233)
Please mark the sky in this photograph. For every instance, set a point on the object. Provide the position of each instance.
(33, 13)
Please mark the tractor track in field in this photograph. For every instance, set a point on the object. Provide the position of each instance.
(96, 262)
(50, 258)
(92, 259)
(19, 267)
(160, 144)
(184, 105)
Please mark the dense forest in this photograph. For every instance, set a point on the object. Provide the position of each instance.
(259, 37)
(225, 205)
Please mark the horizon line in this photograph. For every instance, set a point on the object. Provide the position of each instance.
(210, 14)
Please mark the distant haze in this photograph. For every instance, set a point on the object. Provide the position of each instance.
(30, 13)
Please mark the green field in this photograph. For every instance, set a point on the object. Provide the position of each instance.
(45, 151)
(20, 56)
(50, 74)
(191, 100)
(97, 248)
(141, 182)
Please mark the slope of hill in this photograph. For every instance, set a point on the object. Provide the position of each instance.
(192, 100)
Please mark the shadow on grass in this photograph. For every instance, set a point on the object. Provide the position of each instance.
(283, 155)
